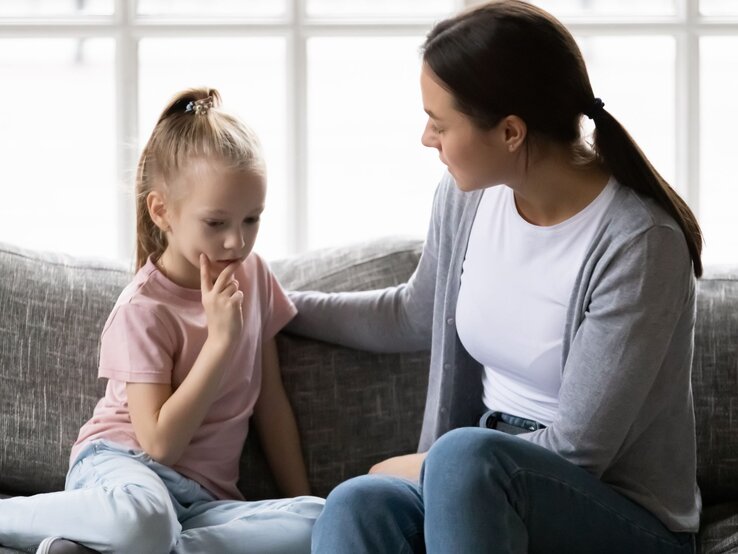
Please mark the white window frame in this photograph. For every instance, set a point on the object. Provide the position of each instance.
(687, 25)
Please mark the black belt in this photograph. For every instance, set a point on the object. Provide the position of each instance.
(509, 423)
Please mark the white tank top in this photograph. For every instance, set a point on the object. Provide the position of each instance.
(515, 287)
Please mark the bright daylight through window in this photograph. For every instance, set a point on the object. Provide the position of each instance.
(331, 87)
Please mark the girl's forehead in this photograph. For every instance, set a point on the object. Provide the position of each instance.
(221, 187)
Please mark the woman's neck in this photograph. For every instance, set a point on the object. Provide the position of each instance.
(554, 188)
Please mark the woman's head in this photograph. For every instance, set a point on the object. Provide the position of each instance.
(510, 57)
(200, 185)
(510, 64)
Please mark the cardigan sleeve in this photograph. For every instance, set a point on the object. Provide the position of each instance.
(620, 347)
(395, 319)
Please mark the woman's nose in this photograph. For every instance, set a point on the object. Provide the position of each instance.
(428, 138)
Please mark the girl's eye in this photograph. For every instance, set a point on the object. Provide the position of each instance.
(213, 224)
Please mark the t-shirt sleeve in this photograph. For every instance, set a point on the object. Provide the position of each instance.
(277, 308)
(136, 347)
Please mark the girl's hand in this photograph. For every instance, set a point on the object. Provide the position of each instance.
(222, 301)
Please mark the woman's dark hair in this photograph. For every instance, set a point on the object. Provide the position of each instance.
(508, 57)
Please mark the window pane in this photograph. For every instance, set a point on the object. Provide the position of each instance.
(250, 75)
(719, 120)
(381, 8)
(640, 95)
(31, 8)
(57, 143)
(368, 175)
(213, 8)
(719, 7)
(566, 8)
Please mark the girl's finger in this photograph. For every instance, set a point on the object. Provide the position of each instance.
(206, 282)
(225, 276)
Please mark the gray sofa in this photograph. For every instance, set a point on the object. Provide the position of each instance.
(353, 408)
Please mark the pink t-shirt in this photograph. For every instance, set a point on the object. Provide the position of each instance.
(154, 335)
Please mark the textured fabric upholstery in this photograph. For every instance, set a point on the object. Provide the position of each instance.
(353, 408)
(715, 384)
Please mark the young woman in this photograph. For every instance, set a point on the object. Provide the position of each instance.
(190, 358)
(556, 293)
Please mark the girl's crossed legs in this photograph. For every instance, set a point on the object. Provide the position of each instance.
(122, 501)
(485, 491)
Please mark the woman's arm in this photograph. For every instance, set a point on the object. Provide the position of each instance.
(395, 319)
(637, 326)
(277, 429)
(165, 420)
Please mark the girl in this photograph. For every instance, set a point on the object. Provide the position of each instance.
(556, 294)
(190, 355)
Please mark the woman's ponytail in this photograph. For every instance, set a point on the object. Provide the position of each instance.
(629, 165)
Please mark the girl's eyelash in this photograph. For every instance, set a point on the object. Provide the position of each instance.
(212, 223)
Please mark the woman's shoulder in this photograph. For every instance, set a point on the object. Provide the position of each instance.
(632, 214)
(636, 225)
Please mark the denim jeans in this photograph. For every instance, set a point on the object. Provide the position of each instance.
(122, 501)
(483, 491)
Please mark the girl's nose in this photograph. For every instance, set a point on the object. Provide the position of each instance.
(235, 241)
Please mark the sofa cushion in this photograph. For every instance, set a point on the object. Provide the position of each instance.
(715, 384)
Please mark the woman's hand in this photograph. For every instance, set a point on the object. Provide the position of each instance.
(407, 466)
(222, 301)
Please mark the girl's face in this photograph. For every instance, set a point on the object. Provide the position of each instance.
(475, 158)
(216, 211)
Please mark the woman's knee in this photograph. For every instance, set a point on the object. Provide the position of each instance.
(363, 493)
(466, 457)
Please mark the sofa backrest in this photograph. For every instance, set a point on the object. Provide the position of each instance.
(353, 408)
(715, 384)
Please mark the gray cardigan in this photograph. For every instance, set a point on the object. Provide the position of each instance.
(625, 404)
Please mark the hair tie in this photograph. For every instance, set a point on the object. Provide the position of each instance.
(596, 110)
(200, 107)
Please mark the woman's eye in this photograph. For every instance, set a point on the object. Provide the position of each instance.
(251, 220)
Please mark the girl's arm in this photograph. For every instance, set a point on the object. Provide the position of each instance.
(165, 420)
(277, 429)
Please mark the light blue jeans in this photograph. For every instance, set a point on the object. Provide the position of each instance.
(483, 491)
(122, 501)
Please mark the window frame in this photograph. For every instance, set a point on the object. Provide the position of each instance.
(687, 25)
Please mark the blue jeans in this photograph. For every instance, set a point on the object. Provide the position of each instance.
(122, 501)
(483, 491)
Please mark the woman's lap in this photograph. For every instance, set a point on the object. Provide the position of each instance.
(484, 491)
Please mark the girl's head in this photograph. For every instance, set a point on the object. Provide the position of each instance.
(200, 186)
(511, 67)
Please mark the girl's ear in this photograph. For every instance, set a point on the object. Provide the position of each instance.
(158, 210)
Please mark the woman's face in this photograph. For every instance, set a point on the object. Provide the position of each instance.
(475, 158)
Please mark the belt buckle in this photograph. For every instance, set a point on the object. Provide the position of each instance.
(491, 419)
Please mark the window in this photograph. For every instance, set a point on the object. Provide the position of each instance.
(331, 87)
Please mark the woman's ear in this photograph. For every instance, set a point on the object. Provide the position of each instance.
(515, 131)
(157, 207)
